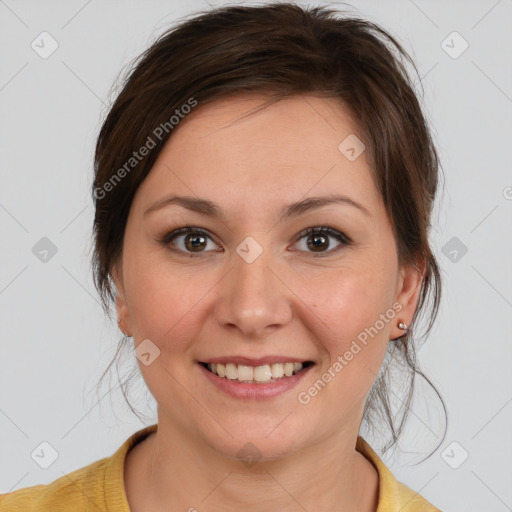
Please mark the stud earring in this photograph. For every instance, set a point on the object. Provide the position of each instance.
(402, 326)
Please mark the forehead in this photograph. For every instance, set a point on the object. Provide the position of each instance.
(289, 149)
(312, 120)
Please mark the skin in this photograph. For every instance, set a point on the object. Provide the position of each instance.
(289, 301)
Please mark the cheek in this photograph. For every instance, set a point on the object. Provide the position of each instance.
(165, 302)
(168, 309)
(351, 298)
(351, 349)
(352, 317)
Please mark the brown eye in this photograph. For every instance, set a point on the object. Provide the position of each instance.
(194, 241)
(318, 240)
(189, 240)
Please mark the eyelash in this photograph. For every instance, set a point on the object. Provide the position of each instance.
(321, 230)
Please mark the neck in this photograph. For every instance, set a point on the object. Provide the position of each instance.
(171, 471)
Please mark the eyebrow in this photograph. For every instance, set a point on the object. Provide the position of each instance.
(210, 209)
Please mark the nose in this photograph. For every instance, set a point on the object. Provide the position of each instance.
(253, 298)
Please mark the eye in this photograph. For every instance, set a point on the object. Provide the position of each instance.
(189, 240)
(317, 239)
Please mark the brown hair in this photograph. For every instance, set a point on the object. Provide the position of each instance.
(280, 49)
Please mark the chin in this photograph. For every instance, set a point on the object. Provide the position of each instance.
(255, 443)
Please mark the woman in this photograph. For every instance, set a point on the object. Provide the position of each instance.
(263, 190)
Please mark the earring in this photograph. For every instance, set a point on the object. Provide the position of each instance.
(402, 326)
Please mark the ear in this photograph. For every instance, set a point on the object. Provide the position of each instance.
(407, 294)
(123, 314)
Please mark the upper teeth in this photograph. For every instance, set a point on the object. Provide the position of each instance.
(264, 373)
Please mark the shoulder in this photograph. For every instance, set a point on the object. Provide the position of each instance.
(63, 494)
(98, 486)
(410, 501)
(394, 496)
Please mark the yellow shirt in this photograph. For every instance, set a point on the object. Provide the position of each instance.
(100, 487)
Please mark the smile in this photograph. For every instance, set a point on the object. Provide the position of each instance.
(256, 374)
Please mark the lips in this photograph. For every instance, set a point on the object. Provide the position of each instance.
(253, 383)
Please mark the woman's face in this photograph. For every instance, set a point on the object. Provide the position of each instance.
(250, 285)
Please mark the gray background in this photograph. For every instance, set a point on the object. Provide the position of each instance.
(56, 341)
